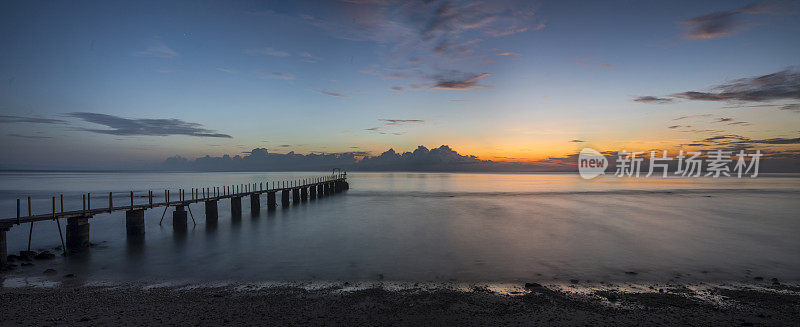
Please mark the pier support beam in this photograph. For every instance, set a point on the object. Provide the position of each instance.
(212, 215)
(255, 204)
(3, 247)
(271, 203)
(77, 233)
(296, 195)
(134, 222)
(320, 190)
(236, 207)
(312, 192)
(285, 197)
(179, 219)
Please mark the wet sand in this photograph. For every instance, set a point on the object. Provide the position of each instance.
(381, 303)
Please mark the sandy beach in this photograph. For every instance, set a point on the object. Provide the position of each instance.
(379, 303)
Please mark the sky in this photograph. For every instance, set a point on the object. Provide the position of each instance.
(107, 84)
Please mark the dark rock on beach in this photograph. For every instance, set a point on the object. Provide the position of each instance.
(529, 286)
(44, 255)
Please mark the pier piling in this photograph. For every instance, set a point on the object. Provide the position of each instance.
(255, 204)
(211, 213)
(285, 197)
(179, 218)
(3, 247)
(134, 222)
(271, 203)
(236, 207)
(296, 195)
(77, 233)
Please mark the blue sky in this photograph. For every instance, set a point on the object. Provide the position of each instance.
(504, 79)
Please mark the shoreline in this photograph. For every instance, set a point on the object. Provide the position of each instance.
(400, 303)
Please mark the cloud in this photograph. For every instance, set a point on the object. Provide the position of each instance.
(226, 70)
(515, 54)
(791, 107)
(157, 49)
(722, 23)
(782, 85)
(592, 63)
(397, 88)
(442, 158)
(28, 136)
(147, 127)
(400, 121)
(733, 139)
(693, 116)
(577, 141)
(32, 120)
(267, 51)
(466, 81)
(333, 94)
(652, 99)
(418, 39)
(273, 75)
(307, 57)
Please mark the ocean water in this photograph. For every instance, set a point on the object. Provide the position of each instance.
(432, 227)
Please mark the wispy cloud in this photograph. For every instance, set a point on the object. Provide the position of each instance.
(226, 70)
(791, 107)
(273, 75)
(577, 141)
(782, 85)
(592, 63)
(723, 23)
(157, 49)
(515, 54)
(401, 121)
(420, 39)
(268, 51)
(397, 88)
(307, 57)
(32, 120)
(37, 137)
(652, 99)
(146, 127)
(333, 94)
(459, 81)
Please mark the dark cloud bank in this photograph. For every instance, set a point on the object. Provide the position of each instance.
(441, 159)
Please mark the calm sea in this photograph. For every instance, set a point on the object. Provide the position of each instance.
(434, 227)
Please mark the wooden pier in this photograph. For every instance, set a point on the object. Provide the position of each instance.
(77, 229)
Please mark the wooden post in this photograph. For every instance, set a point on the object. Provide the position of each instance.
(110, 202)
(17, 211)
(30, 233)
(150, 198)
(131, 200)
(89, 201)
(62, 203)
